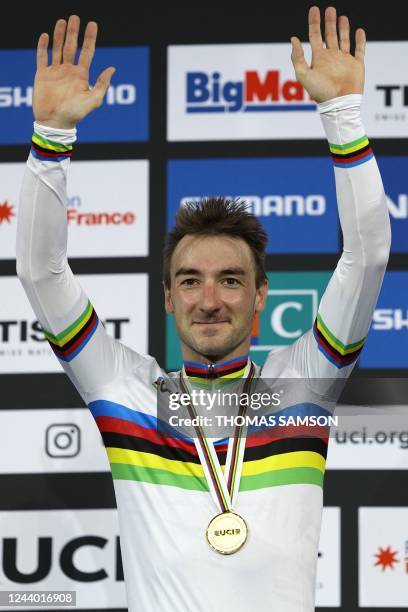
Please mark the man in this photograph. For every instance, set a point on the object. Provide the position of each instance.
(171, 490)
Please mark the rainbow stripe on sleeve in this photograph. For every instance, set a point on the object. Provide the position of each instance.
(351, 154)
(67, 344)
(48, 150)
(339, 354)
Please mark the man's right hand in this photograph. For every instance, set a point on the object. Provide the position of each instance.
(62, 95)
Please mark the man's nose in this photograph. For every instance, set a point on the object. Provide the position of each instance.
(210, 300)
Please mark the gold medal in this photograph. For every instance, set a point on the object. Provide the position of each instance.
(227, 533)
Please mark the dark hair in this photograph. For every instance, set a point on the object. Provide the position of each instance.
(211, 217)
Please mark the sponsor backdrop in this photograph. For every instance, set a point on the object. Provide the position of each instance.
(202, 103)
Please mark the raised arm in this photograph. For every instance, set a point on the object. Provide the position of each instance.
(62, 97)
(335, 80)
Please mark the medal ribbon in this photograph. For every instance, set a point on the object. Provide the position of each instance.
(223, 487)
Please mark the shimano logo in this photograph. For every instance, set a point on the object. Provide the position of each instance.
(15, 96)
(124, 94)
(313, 205)
(210, 93)
(398, 209)
(386, 319)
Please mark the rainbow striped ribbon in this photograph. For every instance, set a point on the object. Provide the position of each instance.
(223, 486)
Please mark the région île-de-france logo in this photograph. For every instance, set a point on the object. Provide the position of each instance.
(210, 93)
(387, 558)
(100, 218)
(6, 212)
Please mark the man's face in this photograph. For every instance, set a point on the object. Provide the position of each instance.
(213, 295)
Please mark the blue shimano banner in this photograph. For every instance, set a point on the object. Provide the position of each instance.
(386, 345)
(294, 198)
(394, 172)
(124, 115)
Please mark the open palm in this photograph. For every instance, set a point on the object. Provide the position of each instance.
(334, 71)
(62, 95)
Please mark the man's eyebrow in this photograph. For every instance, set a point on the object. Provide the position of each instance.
(235, 271)
(186, 271)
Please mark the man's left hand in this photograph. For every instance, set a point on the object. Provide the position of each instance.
(334, 71)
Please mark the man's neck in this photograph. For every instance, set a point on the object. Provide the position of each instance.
(233, 367)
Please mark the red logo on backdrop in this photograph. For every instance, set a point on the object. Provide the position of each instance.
(6, 212)
(386, 558)
(100, 218)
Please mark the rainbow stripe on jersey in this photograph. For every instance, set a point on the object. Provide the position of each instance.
(351, 154)
(339, 354)
(67, 344)
(140, 448)
(48, 150)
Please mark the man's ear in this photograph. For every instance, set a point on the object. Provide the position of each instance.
(261, 296)
(168, 301)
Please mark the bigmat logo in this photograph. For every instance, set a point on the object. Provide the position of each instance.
(119, 299)
(122, 117)
(107, 208)
(386, 345)
(383, 557)
(75, 550)
(218, 92)
(294, 198)
(249, 92)
(293, 300)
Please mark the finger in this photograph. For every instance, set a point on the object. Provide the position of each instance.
(330, 29)
(58, 41)
(298, 56)
(360, 44)
(315, 34)
(102, 83)
(88, 45)
(71, 40)
(344, 33)
(42, 51)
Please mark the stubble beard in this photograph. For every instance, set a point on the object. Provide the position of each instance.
(212, 346)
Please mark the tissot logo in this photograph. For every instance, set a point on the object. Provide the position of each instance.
(120, 301)
(393, 94)
(24, 331)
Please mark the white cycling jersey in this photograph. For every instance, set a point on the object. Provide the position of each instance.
(162, 496)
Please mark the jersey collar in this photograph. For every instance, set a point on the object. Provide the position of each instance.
(229, 369)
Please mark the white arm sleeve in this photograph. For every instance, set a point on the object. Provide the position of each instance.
(330, 349)
(90, 357)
